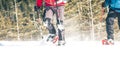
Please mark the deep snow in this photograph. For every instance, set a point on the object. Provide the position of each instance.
(77, 60)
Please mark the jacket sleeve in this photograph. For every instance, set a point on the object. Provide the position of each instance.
(38, 3)
(106, 3)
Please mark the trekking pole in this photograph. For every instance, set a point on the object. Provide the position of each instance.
(42, 18)
(102, 13)
(104, 41)
(40, 15)
(58, 22)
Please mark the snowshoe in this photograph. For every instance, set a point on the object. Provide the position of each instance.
(107, 42)
(55, 39)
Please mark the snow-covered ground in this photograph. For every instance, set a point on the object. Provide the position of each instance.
(77, 60)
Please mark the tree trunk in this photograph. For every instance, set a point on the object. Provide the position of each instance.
(92, 25)
(18, 33)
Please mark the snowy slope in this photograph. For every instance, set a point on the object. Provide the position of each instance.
(77, 60)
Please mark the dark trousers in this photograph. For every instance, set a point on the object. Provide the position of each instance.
(49, 16)
(110, 22)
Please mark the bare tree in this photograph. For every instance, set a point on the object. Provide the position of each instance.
(18, 32)
(92, 25)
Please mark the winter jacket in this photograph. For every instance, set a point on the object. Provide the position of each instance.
(50, 2)
(113, 4)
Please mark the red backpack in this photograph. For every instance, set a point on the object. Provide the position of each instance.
(49, 2)
(39, 3)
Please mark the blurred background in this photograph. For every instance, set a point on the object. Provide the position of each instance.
(83, 20)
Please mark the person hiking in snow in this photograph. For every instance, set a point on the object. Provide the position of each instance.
(114, 11)
(53, 7)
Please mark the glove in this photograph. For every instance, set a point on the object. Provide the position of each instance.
(103, 4)
(36, 8)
